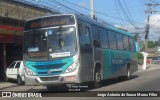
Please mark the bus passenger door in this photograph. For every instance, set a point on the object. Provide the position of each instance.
(86, 52)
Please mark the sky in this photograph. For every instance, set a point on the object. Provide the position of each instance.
(126, 14)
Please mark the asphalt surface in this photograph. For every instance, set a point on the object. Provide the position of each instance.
(140, 81)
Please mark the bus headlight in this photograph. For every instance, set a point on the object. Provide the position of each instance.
(29, 72)
(72, 67)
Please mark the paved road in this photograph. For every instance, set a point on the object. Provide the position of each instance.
(141, 81)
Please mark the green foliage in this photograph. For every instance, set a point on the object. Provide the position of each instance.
(141, 45)
(140, 61)
(140, 55)
(136, 37)
(151, 44)
(140, 58)
(156, 43)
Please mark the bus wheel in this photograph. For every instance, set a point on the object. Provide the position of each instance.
(128, 73)
(97, 78)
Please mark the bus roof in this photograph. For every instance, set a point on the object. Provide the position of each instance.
(108, 26)
(88, 19)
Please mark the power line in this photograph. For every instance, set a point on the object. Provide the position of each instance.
(105, 10)
(154, 24)
(52, 5)
(100, 12)
(33, 4)
(116, 5)
(126, 15)
(127, 8)
(65, 6)
(83, 8)
(44, 6)
(149, 11)
(154, 1)
(136, 12)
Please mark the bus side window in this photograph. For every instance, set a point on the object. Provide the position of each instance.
(84, 37)
(119, 39)
(95, 36)
(131, 44)
(112, 40)
(126, 43)
(103, 38)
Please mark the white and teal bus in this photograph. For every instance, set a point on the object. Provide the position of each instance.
(71, 48)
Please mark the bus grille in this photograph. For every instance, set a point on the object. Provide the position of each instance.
(54, 78)
(42, 70)
(46, 67)
(52, 73)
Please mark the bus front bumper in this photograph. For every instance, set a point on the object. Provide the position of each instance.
(53, 80)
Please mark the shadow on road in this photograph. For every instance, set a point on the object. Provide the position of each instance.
(75, 88)
(63, 91)
(117, 80)
(14, 82)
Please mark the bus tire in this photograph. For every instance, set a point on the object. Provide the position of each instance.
(97, 78)
(128, 76)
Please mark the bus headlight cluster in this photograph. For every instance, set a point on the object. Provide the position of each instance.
(72, 67)
(29, 72)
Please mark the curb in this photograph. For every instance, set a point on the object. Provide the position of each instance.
(8, 87)
(149, 68)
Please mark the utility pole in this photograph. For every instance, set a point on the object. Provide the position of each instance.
(92, 9)
(159, 40)
(149, 11)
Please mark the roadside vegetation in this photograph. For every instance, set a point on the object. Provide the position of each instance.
(140, 58)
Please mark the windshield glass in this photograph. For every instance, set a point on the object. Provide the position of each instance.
(61, 42)
(50, 44)
(36, 45)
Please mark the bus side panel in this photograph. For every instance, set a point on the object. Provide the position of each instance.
(115, 63)
(133, 62)
(86, 66)
(106, 63)
(119, 60)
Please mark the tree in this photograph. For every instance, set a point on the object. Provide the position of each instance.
(156, 44)
(140, 58)
(141, 45)
(136, 37)
(151, 44)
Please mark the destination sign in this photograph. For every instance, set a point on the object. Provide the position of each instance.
(49, 22)
(37, 54)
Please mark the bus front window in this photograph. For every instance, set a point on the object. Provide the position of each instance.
(61, 42)
(36, 45)
(50, 44)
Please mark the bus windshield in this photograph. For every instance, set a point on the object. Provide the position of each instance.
(50, 44)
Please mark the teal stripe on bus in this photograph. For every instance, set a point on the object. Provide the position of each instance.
(66, 63)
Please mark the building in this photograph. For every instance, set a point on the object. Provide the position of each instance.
(13, 14)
